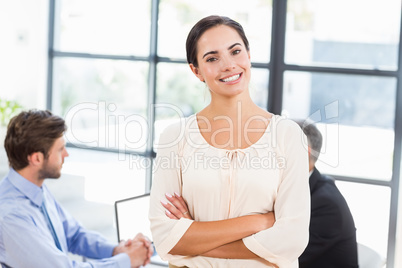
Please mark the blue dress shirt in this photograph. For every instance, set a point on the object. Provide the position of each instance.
(25, 238)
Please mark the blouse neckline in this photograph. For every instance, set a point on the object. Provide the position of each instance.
(194, 117)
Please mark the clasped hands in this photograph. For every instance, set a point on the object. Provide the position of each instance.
(139, 249)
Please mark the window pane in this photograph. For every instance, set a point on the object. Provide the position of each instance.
(23, 53)
(370, 210)
(103, 27)
(179, 94)
(359, 33)
(357, 116)
(178, 86)
(259, 86)
(181, 15)
(104, 102)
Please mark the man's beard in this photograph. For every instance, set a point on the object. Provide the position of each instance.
(49, 172)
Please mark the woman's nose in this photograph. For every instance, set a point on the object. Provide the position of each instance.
(227, 63)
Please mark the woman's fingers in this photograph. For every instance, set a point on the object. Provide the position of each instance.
(181, 200)
(177, 208)
(171, 211)
(177, 203)
(170, 215)
(184, 209)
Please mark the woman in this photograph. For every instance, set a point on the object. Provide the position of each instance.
(231, 182)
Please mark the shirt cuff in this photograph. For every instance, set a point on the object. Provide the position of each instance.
(174, 236)
(122, 259)
(253, 245)
(106, 250)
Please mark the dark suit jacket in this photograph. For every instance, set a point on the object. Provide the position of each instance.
(332, 241)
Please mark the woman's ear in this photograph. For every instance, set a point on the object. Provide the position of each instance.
(196, 71)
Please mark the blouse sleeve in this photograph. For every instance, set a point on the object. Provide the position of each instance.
(283, 243)
(167, 179)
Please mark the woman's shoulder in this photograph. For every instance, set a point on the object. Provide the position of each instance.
(285, 131)
(172, 125)
(284, 124)
(174, 130)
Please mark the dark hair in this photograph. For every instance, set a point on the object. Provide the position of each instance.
(314, 137)
(29, 132)
(204, 24)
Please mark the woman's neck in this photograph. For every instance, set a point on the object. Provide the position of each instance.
(238, 106)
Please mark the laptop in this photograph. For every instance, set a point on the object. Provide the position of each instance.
(132, 218)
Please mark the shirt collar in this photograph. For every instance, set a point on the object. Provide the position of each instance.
(30, 190)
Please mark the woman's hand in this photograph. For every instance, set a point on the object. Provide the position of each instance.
(177, 208)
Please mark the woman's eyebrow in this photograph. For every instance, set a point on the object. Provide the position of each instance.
(232, 46)
(210, 52)
(216, 52)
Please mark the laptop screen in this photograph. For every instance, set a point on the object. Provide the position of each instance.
(132, 217)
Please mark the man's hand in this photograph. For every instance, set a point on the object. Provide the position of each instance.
(147, 243)
(178, 207)
(138, 249)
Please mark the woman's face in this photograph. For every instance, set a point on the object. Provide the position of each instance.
(223, 61)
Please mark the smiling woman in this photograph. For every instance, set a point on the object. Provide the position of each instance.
(224, 207)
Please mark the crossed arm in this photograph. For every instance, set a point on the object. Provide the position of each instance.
(219, 239)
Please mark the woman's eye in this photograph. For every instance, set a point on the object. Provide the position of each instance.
(211, 59)
(237, 51)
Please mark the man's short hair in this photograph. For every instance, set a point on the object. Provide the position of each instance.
(29, 132)
(314, 137)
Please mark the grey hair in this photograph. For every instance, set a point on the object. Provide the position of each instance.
(314, 137)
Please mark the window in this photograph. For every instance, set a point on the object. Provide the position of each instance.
(356, 114)
(103, 101)
(103, 27)
(356, 34)
(23, 49)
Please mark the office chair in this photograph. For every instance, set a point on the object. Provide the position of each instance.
(369, 258)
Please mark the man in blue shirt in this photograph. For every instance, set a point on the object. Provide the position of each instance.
(35, 231)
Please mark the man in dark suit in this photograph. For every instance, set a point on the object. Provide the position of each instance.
(332, 241)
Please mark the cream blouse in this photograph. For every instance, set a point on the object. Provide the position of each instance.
(218, 184)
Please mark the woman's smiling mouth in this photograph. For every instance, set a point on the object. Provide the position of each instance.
(231, 78)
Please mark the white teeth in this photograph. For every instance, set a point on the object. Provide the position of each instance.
(232, 78)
